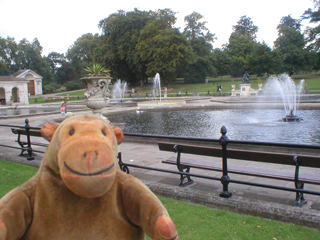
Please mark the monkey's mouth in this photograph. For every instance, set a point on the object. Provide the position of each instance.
(88, 174)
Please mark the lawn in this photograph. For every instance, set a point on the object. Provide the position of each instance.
(13, 174)
(193, 222)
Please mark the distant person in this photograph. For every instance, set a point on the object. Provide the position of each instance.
(64, 104)
(63, 107)
(63, 110)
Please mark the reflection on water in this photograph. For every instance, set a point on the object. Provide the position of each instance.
(242, 124)
(24, 111)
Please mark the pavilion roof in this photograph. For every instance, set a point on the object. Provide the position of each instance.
(11, 79)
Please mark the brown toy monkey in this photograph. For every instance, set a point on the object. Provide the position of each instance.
(79, 191)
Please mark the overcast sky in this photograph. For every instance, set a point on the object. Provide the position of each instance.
(57, 24)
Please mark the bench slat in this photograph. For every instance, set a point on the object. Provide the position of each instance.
(22, 131)
(268, 157)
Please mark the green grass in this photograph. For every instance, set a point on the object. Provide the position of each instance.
(73, 93)
(13, 174)
(199, 222)
(193, 222)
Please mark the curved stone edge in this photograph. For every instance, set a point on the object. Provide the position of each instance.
(274, 211)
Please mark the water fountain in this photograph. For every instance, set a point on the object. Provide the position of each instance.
(119, 90)
(156, 94)
(156, 91)
(290, 93)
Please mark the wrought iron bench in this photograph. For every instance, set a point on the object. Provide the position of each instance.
(185, 164)
(24, 143)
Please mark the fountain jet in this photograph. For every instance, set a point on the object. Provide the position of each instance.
(119, 90)
(290, 93)
(156, 91)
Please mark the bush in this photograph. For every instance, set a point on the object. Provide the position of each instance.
(51, 88)
(73, 85)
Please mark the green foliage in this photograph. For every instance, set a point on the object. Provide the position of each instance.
(163, 50)
(263, 60)
(196, 29)
(65, 73)
(3, 68)
(245, 27)
(221, 61)
(198, 72)
(121, 32)
(313, 33)
(288, 22)
(8, 53)
(73, 85)
(239, 49)
(290, 46)
(83, 53)
(51, 88)
(200, 40)
(96, 70)
(55, 60)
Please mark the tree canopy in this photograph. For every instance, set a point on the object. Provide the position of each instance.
(135, 45)
(245, 27)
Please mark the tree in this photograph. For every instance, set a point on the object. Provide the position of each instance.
(195, 28)
(222, 61)
(65, 73)
(200, 40)
(83, 52)
(164, 49)
(8, 51)
(166, 16)
(245, 27)
(121, 32)
(3, 68)
(240, 46)
(55, 60)
(290, 45)
(29, 56)
(313, 33)
(239, 49)
(263, 60)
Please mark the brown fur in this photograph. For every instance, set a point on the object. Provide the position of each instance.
(79, 191)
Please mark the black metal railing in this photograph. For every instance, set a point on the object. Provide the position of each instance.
(223, 142)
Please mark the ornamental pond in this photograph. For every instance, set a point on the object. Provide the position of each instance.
(264, 125)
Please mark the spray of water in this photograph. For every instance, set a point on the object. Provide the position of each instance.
(119, 90)
(284, 85)
(156, 91)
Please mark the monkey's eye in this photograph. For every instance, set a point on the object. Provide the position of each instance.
(104, 132)
(71, 132)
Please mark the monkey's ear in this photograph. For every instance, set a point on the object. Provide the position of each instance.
(48, 130)
(119, 134)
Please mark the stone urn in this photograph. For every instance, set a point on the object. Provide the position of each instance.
(97, 93)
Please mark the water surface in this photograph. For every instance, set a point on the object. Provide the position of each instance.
(242, 124)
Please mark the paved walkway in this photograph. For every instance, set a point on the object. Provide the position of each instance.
(261, 202)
